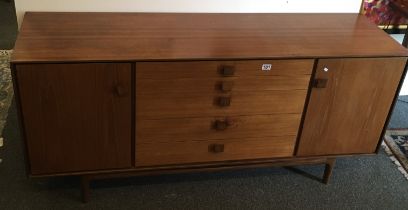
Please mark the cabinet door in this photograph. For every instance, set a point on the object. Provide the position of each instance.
(77, 117)
(348, 114)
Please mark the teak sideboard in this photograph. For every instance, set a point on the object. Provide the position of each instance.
(118, 94)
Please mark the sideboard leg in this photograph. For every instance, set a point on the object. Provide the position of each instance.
(85, 188)
(328, 170)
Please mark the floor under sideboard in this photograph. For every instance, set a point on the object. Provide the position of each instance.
(368, 182)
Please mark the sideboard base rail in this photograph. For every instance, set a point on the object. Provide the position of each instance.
(88, 178)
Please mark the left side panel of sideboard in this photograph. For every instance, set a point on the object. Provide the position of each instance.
(76, 117)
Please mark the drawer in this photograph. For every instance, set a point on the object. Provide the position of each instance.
(216, 150)
(207, 128)
(208, 69)
(175, 105)
(222, 84)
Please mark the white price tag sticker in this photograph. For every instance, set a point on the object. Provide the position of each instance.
(266, 67)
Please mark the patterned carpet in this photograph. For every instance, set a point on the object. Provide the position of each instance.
(397, 142)
(6, 90)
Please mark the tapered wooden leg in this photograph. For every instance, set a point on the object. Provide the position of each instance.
(85, 188)
(328, 170)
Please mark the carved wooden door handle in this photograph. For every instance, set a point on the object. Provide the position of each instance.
(216, 148)
(227, 71)
(221, 125)
(319, 83)
(226, 86)
(224, 101)
(119, 90)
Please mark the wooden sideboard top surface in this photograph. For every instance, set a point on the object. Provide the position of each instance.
(72, 37)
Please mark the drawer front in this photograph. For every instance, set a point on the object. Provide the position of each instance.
(213, 88)
(207, 128)
(155, 106)
(217, 150)
(208, 69)
(221, 85)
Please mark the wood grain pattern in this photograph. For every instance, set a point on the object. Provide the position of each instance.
(169, 36)
(214, 85)
(211, 69)
(181, 105)
(204, 77)
(79, 116)
(191, 89)
(240, 127)
(197, 151)
(75, 119)
(348, 115)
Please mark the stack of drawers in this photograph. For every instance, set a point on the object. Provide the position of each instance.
(203, 111)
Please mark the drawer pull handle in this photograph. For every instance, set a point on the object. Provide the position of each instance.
(216, 148)
(227, 71)
(120, 91)
(227, 86)
(224, 101)
(319, 83)
(221, 125)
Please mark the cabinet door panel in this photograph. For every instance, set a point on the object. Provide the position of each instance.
(77, 117)
(347, 116)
